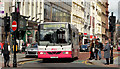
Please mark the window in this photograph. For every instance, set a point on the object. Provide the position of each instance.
(73, 34)
(47, 11)
(53, 13)
(82, 3)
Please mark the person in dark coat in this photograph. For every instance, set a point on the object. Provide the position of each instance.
(96, 49)
(100, 47)
(91, 51)
(107, 52)
(6, 54)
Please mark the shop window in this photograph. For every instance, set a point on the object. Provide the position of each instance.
(47, 11)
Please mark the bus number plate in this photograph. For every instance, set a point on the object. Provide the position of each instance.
(54, 57)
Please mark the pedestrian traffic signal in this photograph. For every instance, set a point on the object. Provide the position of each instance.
(20, 35)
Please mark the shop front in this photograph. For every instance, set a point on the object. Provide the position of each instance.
(31, 32)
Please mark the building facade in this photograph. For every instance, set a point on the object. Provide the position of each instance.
(119, 10)
(98, 24)
(77, 15)
(92, 17)
(104, 18)
(57, 11)
(86, 32)
(117, 31)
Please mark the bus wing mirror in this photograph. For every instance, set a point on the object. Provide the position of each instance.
(69, 41)
(37, 36)
(73, 34)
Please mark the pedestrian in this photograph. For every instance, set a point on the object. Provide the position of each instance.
(100, 47)
(107, 52)
(96, 49)
(6, 54)
(91, 50)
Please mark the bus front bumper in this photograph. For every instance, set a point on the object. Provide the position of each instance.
(54, 54)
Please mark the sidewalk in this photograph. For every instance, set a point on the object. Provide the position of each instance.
(20, 58)
(103, 60)
(102, 63)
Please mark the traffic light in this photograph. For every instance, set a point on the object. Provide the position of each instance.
(7, 23)
(15, 17)
(112, 24)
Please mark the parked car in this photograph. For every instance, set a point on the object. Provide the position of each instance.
(88, 46)
(31, 50)
(84, 48)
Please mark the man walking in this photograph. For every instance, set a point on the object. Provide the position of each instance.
(6, 55)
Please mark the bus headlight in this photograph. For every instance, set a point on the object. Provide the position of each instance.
(41, 52)
(66, 53)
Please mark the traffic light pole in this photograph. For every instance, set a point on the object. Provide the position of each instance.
(111, 57)
(14, 60)
(5, 23)
(112, 29)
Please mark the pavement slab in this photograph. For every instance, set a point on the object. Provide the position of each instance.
(116, 55)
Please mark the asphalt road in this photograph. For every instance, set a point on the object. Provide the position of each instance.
(55, 63)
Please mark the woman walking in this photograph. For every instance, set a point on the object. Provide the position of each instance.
(107, 52)
(91, 51)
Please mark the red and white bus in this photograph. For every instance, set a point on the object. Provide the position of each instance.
(58, 40)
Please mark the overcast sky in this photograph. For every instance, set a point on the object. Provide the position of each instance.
(113, 7)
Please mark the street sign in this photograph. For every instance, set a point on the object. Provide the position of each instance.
(85, 33)
(29, 33)
(91, 36)
(2, 8)
(14, 25)
(95, 37)
(32, 25)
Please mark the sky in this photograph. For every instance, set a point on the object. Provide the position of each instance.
(113, 7)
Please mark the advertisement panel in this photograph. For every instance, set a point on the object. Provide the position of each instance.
(1, 8)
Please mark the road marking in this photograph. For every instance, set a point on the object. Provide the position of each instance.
(115, 57)
(29, 61)
(86, 62)
(78, 61)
